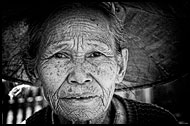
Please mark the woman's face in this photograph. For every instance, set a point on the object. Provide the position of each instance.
(77, 67)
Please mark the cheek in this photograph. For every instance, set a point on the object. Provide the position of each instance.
(53, 74)
(104, 72)
(107, 71)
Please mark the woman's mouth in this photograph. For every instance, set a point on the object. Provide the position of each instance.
(79, 99)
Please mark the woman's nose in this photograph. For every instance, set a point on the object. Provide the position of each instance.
(78, 76)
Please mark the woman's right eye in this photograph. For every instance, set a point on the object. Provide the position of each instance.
(61, 55)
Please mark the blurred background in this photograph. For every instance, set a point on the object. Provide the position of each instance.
(172, 95)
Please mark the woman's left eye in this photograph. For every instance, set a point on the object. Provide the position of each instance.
(95, 54)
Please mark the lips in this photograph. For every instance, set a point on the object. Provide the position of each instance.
(79, 99)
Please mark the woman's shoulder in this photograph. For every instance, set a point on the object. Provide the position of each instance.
(145, 112)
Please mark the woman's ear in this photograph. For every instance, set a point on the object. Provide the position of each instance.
(122, 59)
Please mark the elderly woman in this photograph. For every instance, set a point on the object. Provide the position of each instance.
(77, 60)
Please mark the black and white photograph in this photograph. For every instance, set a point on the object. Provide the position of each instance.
(95, 62)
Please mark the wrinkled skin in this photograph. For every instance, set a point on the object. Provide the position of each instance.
(78, 60)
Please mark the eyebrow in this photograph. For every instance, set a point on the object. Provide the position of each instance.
(98, 42)
(58, 45)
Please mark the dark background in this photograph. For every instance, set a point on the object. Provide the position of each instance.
(172, 96)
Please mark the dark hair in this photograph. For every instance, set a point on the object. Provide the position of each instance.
(36, 29)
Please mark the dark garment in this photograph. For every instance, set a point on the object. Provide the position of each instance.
(123, 111)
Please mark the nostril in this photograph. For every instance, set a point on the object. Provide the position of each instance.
(87, 80)
(72, 81)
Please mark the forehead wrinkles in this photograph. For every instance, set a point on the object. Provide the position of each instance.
(64, 27)
(63, 20)
(79, 28)
(75, 27)
(65, 17)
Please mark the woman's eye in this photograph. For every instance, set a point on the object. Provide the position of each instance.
(95, 54)
(61, 55)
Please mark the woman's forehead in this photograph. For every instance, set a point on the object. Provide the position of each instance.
(83, 36)
(66, 26)
(68, 16)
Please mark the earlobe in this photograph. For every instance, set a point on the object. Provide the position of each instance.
(123, 65)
